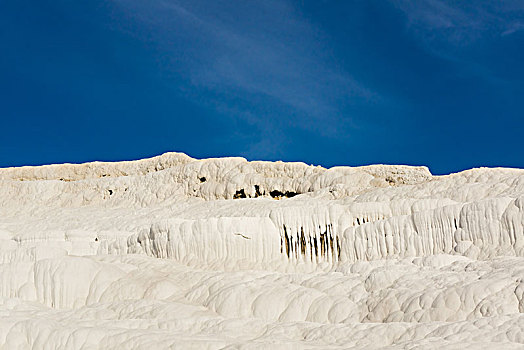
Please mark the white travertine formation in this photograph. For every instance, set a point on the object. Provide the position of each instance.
(174, 252)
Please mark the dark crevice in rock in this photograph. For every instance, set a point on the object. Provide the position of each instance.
(278, 194)
(240, 194)
(257, 191)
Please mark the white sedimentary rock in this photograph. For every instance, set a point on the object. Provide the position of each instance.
(173, 252)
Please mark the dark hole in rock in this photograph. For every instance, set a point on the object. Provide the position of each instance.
(338, 248)
(96, 239)
(257, 191)
(278, 194)
(203, 179)
(240, 194)
(110, 192)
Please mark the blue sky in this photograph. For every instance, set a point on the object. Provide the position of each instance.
(426, 82)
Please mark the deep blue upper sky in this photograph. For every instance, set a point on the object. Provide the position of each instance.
(429, 82)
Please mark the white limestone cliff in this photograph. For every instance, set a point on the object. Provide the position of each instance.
(174, 252)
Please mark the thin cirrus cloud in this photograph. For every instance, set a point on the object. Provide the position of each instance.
(454, 30)
(513, 28)
(265, 51)
(461, 23)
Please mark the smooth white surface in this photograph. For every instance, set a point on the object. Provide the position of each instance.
(164, 253)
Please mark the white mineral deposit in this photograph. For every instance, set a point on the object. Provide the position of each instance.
(178, 253)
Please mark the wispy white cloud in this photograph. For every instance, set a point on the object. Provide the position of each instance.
(462, 22)
(513, 28)
(448, 29)
(263, 50)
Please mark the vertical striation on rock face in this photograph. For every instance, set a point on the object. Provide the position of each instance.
(178, 252)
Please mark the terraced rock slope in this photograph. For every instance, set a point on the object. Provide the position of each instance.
(174, 252)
